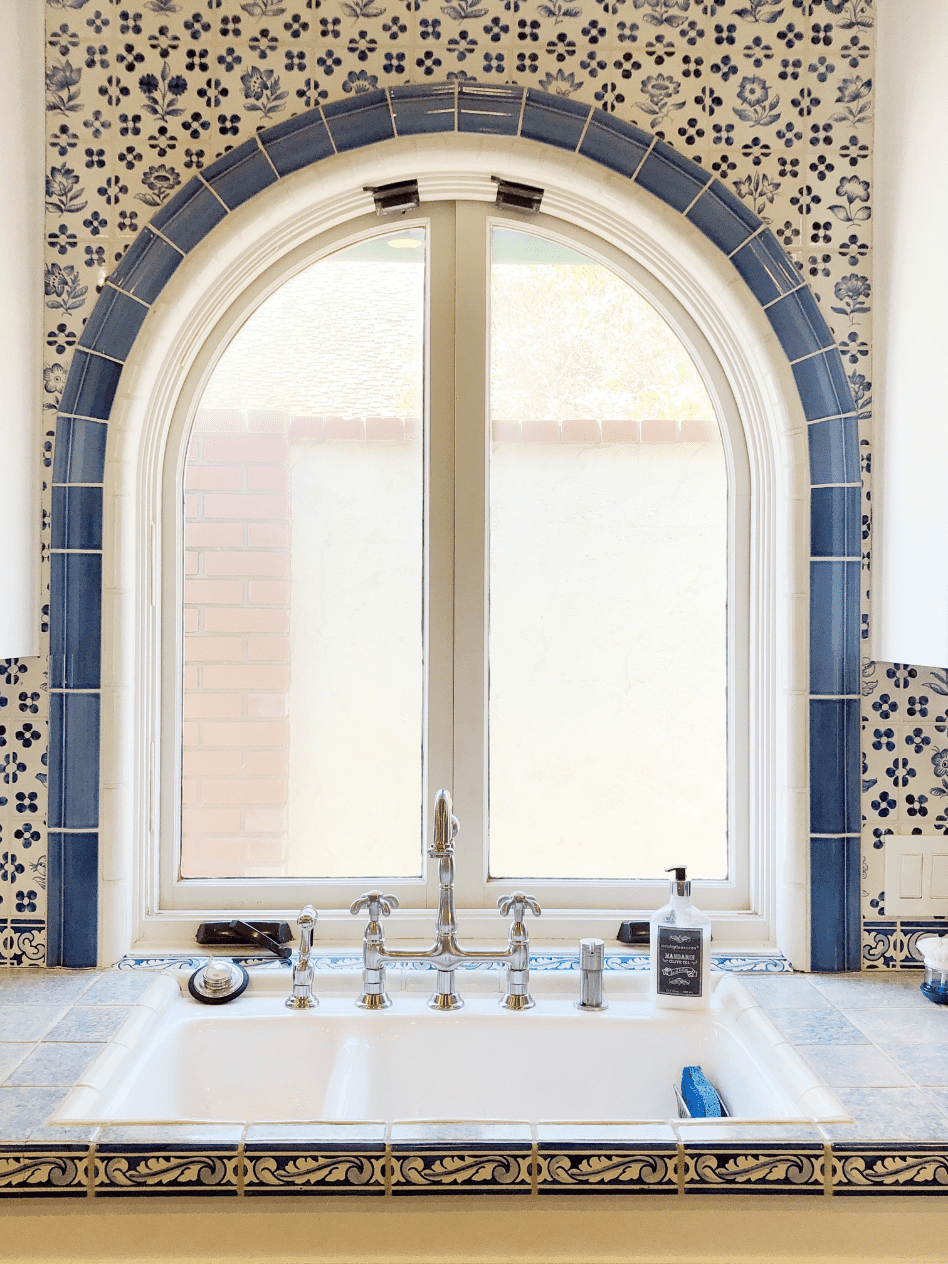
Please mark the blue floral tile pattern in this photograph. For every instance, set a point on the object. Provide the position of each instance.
(161, 117)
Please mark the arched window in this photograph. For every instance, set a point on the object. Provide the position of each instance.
(455, 507)
(662, 232)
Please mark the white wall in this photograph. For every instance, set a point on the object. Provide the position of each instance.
(22, 154)
(910, 584)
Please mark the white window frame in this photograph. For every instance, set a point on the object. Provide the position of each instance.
(456, 587)
(748, 379)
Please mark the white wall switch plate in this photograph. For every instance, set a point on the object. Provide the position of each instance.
(916, 875)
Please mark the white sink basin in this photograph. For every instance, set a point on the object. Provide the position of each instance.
(253, 1061)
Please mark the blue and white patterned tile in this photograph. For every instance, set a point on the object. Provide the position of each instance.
(909, 935)
(461, 1158)
(471, 1169)
(25, 941)
(607, 1167)
(123, 1168)
(36, 1169)
(878, 945)
(769, 1167)
(706, 55)
(319, 1159)
(860, 1169)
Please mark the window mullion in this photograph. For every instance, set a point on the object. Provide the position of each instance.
(440, 517)
(470, 548)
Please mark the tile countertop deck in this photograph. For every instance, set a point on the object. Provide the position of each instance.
(873, 1038)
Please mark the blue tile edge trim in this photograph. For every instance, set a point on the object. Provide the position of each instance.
(835, 914)
(628, 148)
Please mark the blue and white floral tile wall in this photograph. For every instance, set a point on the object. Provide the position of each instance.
(774, 96)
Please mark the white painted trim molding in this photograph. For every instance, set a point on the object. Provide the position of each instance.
(235, 258)
(910, 335)
(22, 157)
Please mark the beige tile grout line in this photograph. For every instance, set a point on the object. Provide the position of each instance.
(90, 1172)
(680, 1168)
(534, 1164)
(827, 1169)
(388, 1170)
(241, 1169)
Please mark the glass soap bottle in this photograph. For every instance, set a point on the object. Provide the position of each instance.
(680, 940)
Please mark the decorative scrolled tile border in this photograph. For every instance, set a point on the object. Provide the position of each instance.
(279, 1170)
(462, 1170)
(912, 1168)
(705, 203)
(761, 1169)
(47, 1169)
(850, 1169)
(157, 1170)
(607, 1170)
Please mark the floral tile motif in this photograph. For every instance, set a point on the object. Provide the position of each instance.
(878, 946)
(578, 1169)
(301, 1170)
(919, 1170)
(24, 942)
(774, 98)
(60, 1171)
(158, 1170)
(473, 1169)
(765, 1169)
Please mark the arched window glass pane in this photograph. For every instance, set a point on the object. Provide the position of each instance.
(608, 580)
(303, 554)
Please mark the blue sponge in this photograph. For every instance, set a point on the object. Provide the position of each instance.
(700, 1095)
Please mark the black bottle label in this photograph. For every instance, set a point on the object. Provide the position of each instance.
(679, 961)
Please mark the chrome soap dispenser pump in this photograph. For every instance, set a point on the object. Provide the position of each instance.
(680, 941)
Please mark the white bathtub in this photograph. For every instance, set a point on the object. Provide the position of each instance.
(253, 1061)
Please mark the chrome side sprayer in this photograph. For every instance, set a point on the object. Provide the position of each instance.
(301, 996)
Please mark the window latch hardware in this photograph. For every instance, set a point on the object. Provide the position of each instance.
(395, 199)
(518, 197)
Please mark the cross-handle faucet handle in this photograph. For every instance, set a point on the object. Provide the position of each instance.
(377, 904)
(518, 903)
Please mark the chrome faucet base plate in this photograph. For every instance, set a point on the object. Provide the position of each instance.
(517, 1002)
(446, 1001)
(592, 1008)
(301, 1002)
(373, 1000)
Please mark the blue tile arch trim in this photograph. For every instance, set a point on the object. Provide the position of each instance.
(684, 186)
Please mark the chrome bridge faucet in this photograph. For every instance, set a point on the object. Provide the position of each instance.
(445, 953)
